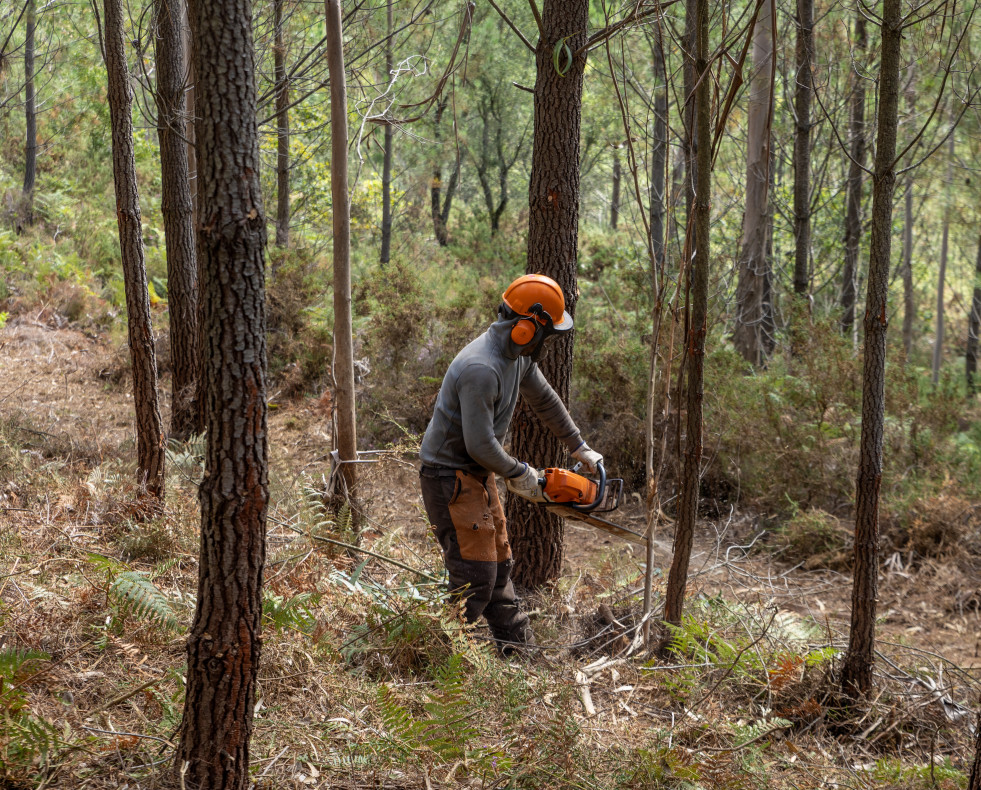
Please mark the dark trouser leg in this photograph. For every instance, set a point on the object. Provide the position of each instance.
(469, 522)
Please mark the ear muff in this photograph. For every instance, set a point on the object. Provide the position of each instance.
(525, 331)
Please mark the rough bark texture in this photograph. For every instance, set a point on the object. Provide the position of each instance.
(856, 675)
(973, 328)
(386, 224)
(30, 118)
(909, 300)
(224, 644)
(149, 428)
(752, 302)
(178, 217)
(938, 336)
(853, 199)
(282, 129)
(347, 443)
(699, 275)
(553, 228)
(802, 146)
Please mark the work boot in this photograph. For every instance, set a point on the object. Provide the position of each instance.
(519, 643)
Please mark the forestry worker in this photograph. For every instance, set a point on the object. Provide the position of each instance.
(461, 452)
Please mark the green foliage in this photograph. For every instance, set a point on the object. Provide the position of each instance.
(25, 738)
(294, 612)
(133, 593)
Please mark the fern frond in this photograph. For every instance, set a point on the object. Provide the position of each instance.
(135, 593)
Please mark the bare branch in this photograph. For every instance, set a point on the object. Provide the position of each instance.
(511, 25)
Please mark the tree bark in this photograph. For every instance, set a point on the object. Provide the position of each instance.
(386, 225)
(30, 118)
(802, 147)
(752, 299)
(346, 437)
(856, 676)
(938, 336)
(973, 329)
(440, 203)
(909, 301)
(853, 209)
(177, 210)
(553, 229)
(974, 782)
(659, 151)
(282, 128)
(149, 428)
(615, 191)
(223, 646)
(694, 364)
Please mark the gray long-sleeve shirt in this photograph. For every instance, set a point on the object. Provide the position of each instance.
(477, 400)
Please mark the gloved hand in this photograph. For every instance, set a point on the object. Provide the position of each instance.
(589, 457)
(526, 484)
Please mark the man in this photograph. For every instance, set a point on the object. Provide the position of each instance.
(461, 452)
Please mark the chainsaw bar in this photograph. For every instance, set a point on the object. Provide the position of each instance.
(598, 522)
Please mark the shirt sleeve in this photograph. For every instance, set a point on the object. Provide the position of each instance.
(546, 403)
(478, 388)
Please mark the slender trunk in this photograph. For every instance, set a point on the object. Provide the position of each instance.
(347, 443)
(688, 115)
(909, 302)
(749, 333)
(223, 646)
(282, 128)
(615, 191)
(938, 338)
(177, 211)
(149, 428)
(974, 782)
(856, 676)
(30, 117)
(973, 329)
(802, 147)
(659, 152)
(853, 199)
(553, 227)
(439, 202)
(699, 276)
(386, 228)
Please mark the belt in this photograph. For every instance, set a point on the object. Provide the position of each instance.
(438, 471)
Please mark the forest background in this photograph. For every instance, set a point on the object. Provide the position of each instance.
(441, 126)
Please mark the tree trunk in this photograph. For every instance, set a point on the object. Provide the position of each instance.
(973, 329)
(386, 227)
(149, 429)
(974, 783)
(346, 437)
(30, 118)
(752, 303)
(177, 211)
(615, 191)
(856, 676)
(440, 203)
(282, 129)
(553, 228)
(659, 151)
(802, 147)
(224, 643)
(909, 302)
(938, 337)
(853, 209)
(698, 278)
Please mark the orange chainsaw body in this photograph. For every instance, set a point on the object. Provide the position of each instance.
(563, 485)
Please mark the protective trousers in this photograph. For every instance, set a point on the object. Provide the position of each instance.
(469, 522)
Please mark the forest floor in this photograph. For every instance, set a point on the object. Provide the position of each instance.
(749, 706)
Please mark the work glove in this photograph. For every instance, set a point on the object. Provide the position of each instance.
(527, 484)
(589, 457)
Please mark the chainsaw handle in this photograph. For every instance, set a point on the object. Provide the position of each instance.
(600, 492)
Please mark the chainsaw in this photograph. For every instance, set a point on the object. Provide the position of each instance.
(580, 498)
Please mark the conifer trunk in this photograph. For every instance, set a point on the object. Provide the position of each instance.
(30, 118)
(802, 147)
(386, 225)
(149, 427)
(973, 329)
(909, 300)
(282, 128)
(853, 199)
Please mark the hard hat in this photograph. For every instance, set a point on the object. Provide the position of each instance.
(538, 302)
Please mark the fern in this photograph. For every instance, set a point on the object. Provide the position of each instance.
(293, 612)
(136, 594)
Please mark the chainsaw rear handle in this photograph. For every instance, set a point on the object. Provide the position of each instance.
(600, 493)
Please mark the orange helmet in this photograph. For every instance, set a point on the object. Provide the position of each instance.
(538, 300)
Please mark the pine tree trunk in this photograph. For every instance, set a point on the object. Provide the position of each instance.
(615, 191)
(347, 442)
(553, 228)
(974, 782)
(856, 676)
(752, 303)
(853, 199)
(938, 337)
(282, 129)
(688, 115)
(659, 151)
(674, 597)
(802, 147)
(149, 428)
(973, 329)
(386, 225)
(223, 645)
(909, 301)
(30, 119)
(177, 210)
